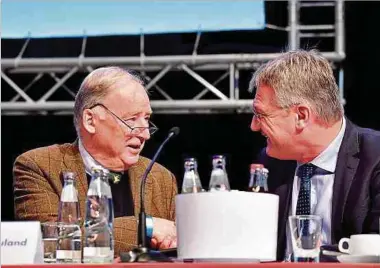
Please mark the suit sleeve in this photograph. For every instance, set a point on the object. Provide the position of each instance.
(375, 201)
(34, 196)
(125, 228)
(172, 192)
(125, 232)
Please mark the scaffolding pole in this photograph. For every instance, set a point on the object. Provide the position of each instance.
(147, 60)
(67, 106)
(229, 65)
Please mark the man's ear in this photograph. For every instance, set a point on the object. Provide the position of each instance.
(303, 114)
(88, 118)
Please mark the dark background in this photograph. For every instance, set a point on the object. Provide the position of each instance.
(201, 135)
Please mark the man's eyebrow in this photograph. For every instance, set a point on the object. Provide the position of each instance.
(140, 113)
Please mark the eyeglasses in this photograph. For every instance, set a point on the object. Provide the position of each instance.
(258, 115)
(134, 130)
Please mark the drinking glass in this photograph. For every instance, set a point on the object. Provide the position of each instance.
(69, 243)
(306, 237)
(49, 232)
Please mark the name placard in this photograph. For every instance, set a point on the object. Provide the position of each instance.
(21, 243)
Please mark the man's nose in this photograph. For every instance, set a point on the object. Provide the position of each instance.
(145, 134)
(255, 124)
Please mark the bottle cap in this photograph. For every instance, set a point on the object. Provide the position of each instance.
(68, 175)
(218, 160)
(190, 163)
(101, 171)
(255, 166)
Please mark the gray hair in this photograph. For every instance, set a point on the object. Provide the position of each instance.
(95, 88)
(302, 76)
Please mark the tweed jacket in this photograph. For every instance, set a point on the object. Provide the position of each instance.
(38, 185)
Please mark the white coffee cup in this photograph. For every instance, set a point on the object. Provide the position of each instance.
(361, 244)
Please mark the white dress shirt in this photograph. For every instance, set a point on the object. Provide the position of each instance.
(321, 188)
(88, 160)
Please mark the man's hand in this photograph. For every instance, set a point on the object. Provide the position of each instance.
(164, 234)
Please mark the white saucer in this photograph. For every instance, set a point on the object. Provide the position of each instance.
(358, 258)
(230, 260)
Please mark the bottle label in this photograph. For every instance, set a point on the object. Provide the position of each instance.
(97, 252)
(69, 194)
(68, 254)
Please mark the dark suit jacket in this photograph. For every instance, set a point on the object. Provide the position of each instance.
(38, 186)
(356, 190)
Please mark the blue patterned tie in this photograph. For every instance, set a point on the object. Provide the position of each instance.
(305, 172)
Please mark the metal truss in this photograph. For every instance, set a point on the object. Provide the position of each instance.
(230, 65)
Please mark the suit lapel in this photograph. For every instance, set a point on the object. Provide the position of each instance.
(284, 191)
(72, 161)
(344, 174)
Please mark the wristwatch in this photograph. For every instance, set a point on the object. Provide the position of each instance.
(149, 226)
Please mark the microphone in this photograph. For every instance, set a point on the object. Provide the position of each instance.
(141, 237)
(142, 253)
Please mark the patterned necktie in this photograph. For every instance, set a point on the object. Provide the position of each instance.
(305, 172)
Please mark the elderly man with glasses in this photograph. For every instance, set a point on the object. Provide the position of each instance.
(112, 119)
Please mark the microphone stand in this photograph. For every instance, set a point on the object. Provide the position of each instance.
(142, 253)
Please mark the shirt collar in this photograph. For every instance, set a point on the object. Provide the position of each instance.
(327, 159)
(88, 160)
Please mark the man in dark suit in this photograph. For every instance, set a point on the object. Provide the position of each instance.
(297, 108)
